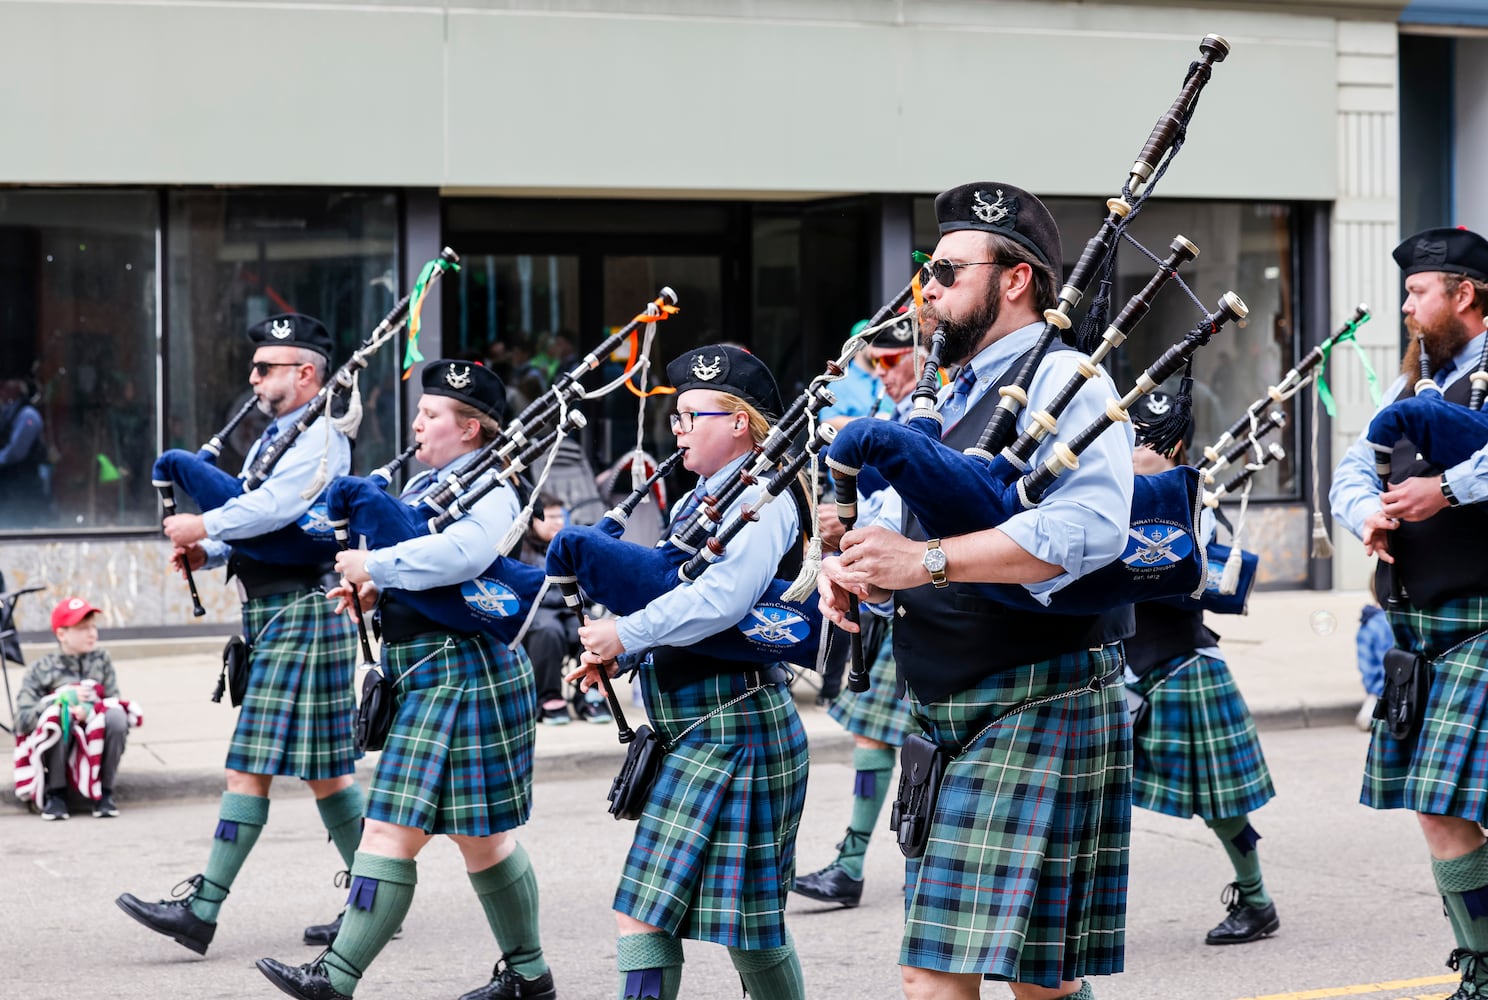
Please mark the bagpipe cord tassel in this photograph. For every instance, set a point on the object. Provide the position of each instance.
(351, 421)
(1322, 545)
(805, 583)
(531, 614)
(518, 529)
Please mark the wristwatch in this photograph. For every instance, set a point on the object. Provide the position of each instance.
(935, 563)
(1452, 500)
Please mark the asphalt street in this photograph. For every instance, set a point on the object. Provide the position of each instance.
(1353, 889)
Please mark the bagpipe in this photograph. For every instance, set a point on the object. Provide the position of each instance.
(1444, 433)
(311, 540)
(784, 624)
(497, 600)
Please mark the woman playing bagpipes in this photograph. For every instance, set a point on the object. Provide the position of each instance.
(1423, 516)
(1022, 865)
(1195, 748)
(457, 758)
(714, 851)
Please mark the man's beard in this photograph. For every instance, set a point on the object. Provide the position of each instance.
(1443, 341)
(962, 336)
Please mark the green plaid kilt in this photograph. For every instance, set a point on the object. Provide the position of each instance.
(1024, 876)
(458, 758)
(875, 714)
(1443, 771)
(714, 853)
(1198, 754)
(299, 712)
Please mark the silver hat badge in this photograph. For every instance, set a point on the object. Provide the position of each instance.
(458, 380)
(705, 371)
(281, 329)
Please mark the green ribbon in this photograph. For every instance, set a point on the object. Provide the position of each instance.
(411, 354)
(1349, 336)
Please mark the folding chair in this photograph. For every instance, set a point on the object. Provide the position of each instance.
(10, 645)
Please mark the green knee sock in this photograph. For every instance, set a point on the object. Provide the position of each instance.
(870, 787)
(1085, 992)
(381, 892)
(770, 973)
(1239, 840)
(341, 812)
(1463, 883)
(240, 820)
(650, 966)
(508, 894)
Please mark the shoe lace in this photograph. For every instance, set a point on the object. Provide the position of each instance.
(342, 879)
(184, 891)
(319, 964)
(503, 973)
(1230, 897)
(854, 840)
(1469, 962)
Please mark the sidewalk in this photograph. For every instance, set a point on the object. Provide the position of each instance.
(1292, 656)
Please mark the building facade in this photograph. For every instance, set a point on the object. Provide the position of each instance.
(171, 173)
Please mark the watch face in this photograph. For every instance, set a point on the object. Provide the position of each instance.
(935, 560)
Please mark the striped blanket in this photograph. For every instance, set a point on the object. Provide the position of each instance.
(85, 756)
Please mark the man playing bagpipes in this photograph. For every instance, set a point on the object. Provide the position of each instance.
(457, 754)
(1195, 747)
(1022, 864)
(1429, 747)
(877, 718)
(298, 710)
(714, 849)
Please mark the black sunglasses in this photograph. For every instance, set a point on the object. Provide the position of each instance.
(944, 270)
(261, 368)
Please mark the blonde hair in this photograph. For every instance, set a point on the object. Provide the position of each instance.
(490, 427)
(759, 425)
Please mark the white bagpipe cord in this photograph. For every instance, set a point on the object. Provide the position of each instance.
(805, 583)
(638, 456)
(513, 536)
(1322, 545)
(348, 423)
(1229, 582)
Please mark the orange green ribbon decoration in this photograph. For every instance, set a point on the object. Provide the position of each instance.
(411, 354)
(1349, 335)
(918, 291)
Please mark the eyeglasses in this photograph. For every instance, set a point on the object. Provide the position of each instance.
(886, 362)
(944, 270)
(261, 368)
(682, 421)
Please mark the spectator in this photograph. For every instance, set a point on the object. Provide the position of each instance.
(25, 475)
(1372, 640)
(67, 700)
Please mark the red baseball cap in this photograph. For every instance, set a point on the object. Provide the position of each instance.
(70, 611)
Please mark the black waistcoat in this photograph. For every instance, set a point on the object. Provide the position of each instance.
(949, 639)
(677, 667)
(1446, 555)
(1164, 632)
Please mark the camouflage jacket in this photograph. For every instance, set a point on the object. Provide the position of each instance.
(55, 670)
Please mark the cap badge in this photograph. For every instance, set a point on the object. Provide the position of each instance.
(458, 380)
(903, 328)
(707, 371)
(281, 329)
(993, 213)
(1158, 404)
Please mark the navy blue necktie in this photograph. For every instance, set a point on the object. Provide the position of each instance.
(955, 406)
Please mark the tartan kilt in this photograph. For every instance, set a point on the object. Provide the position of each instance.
(714, 853)
(1025, 873)
(875, 714)
(299, 713)
(1443, 771)
(458, 758)
(1198, 754)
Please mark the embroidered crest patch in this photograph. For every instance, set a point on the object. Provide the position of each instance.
(490, 598)
(774, 625)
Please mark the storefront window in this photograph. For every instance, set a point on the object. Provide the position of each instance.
(235, 257)
(78, 403)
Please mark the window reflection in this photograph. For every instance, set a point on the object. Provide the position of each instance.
(238, 256)
(77, 373)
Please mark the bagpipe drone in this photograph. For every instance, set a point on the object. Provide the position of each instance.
(310, 541)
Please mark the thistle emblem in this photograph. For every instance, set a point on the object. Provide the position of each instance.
(281, 329)
(707, 371)
(1158, 404)
(458, 380)
(993, 213)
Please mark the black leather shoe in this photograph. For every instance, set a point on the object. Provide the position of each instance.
(831, 885)
(173, 918)
(506, 984)
(308, 981)
(1245, 922)
(322, 935)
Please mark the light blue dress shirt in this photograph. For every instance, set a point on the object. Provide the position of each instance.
(723, 594)
(1356, 489)
(1082, 523)
(277, 502)
(458, 553)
